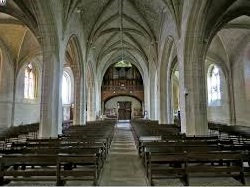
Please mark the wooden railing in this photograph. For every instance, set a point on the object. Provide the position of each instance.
(123, 88)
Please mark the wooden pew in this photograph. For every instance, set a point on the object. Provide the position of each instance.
(215, 164)
(163, 165)
(184, 165)
(35, 164)
(35, 167)
(88, 168)
(180, 149)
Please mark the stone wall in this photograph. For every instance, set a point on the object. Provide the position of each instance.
(112, 103)
(6, 91)
(27, 110)
(219, 111)
(241, 78)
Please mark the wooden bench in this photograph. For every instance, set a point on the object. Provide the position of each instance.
(184, 165)
(166, 165)
(36, 167)
(215, 164)
(35, 164)
(173, 150)
(87, 168)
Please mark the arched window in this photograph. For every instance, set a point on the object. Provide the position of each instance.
(66, 88)
(214, 85)
(29, 82)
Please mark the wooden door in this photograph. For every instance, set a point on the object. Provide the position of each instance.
(124, 110)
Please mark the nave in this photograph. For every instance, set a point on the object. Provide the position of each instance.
(124, 167)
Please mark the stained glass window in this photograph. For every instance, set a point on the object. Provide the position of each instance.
(214, 84)
(29, 82)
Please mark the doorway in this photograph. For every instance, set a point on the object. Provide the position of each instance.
(124, 110)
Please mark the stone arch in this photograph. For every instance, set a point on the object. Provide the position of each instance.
(173, 91)
(235, 11)
(37, 69)
(142, 67)
(221, 59)
(14, 11)
(167, 65)
(68, 85)
(6, 87)
(132, 89)
(138, 63)
(218, 111)
(136, 105)
(224, 19)
(192, 74)
(31, 105)
(198, 36)
(73, 60)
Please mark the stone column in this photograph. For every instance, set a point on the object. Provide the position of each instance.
(91, 115)
(152, 97)
(98, 101)
(147, 99)
(169, 98)
(78, 94)
(84, 102)
(51, 103)
(231, 98)
(163, 95)
(192, 86)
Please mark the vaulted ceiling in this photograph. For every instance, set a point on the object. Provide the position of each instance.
(18, 40)
(119, 29)
(115, 29)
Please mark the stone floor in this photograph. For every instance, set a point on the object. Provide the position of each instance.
(123, 167)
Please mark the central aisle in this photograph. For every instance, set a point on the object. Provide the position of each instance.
(123, 166)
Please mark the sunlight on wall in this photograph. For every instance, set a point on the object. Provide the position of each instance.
(66, 88)
(247, 72)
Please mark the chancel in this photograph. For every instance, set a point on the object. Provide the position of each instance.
(124, 92)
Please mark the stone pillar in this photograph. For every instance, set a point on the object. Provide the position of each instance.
(102, 107)
(231, 98)
(152, 97)
(91, 103)
(84, 102)
(158, 100)
(169, 99)
(98, 103)
(192, 87)
(163, 99)
(147, 99)
(78, 106)
(51, 103)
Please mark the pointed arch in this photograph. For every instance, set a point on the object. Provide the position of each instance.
(73, 60)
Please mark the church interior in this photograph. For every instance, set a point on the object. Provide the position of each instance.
(124, 92)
